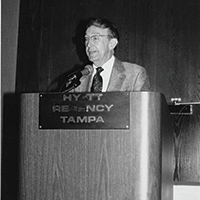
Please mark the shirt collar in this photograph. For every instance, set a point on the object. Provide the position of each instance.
(107, 66)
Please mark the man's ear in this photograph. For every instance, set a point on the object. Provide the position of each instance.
(113, 43)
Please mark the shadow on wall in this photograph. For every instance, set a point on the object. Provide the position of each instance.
(77, 40)
(10, 147)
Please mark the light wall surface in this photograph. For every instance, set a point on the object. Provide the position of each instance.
(186, 192)
(10, 18)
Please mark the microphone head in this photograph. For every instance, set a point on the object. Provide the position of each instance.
(87, 70)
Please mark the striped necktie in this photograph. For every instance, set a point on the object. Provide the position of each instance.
(97, 81)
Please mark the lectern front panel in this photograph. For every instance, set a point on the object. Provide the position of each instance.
(91, 164)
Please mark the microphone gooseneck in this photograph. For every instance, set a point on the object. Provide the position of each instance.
(73, 80)
(78, 74)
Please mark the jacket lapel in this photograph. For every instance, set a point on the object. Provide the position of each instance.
(117, 76)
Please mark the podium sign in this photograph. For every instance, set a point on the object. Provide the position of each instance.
(84, 110)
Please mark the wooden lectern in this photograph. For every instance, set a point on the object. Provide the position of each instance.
(130, 159)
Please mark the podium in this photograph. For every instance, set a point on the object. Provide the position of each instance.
(131, 159)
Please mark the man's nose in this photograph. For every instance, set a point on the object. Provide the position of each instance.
(88, 43)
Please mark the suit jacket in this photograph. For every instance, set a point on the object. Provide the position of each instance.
(124, 77)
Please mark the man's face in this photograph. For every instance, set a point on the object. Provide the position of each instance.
(98, 49)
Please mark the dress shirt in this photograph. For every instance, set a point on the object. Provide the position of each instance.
(107, 69)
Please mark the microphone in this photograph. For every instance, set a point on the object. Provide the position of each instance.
(78, 74)
(73, 80)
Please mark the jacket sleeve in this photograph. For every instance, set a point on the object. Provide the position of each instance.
(142, 81)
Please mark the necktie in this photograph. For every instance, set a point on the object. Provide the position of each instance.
(97, 81)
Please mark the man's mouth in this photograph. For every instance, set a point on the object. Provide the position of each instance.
(92, 53)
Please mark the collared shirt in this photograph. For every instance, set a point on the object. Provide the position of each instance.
(106, 73)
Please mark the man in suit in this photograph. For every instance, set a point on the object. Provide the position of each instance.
(101, 39)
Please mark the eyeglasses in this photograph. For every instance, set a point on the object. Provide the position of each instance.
(94, 38)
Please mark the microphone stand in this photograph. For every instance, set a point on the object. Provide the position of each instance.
(73, 80)
(71, 84)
